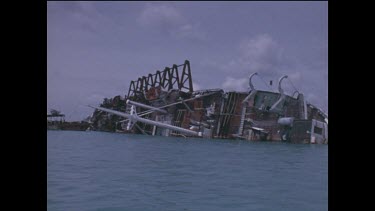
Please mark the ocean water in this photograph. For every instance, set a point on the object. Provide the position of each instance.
(107, 171)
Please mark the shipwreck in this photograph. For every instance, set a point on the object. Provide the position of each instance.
(165, 104)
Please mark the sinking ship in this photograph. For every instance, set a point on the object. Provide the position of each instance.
(165, 104)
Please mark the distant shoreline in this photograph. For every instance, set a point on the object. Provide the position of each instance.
(74, 126)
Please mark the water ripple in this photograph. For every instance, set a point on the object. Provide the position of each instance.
(104, 171)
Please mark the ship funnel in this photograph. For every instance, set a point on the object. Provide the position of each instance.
(133, 118)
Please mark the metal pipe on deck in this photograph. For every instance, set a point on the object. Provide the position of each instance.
(146, 106)
(281, 91)
(162, 125)
(250, 83)
(134, 118)
(282, 95)
(253, 92)
(304, 108)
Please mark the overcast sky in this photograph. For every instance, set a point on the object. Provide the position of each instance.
(94, 49)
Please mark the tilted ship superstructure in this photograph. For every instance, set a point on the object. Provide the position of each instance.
(166, 104)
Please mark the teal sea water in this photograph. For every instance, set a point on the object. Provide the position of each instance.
(107, 171)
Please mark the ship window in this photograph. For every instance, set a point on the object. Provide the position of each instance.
(318, 130)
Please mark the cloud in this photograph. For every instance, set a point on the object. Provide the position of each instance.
(260, 54)
(189, 31)
(264, 55)
(160, 16)
(295, 76)
(80, 17)
(235, 84)
(87, 16)
(166, 18)
(196, 86)
(95, 98)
